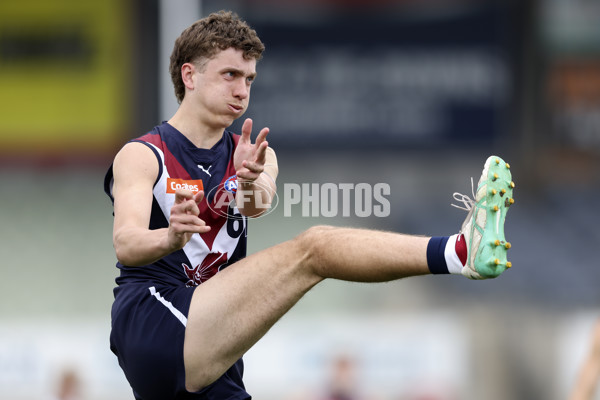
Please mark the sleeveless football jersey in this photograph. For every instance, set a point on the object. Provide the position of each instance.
(182, 164)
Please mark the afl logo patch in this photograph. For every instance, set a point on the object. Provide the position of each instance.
(231, 184)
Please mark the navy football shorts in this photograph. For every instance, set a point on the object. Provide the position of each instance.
(148, 330)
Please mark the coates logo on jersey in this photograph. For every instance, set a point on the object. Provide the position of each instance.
(193, 185)
(227, 195)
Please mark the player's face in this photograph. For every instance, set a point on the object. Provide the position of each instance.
(223, 86)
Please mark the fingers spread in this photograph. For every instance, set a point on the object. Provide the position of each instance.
(261, 154)
(246, 130)
(262, 136)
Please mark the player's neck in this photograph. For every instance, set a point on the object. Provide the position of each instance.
(197, 131)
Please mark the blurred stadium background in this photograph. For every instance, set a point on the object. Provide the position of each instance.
(411, 93)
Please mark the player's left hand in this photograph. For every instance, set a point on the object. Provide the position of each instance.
(249, 158)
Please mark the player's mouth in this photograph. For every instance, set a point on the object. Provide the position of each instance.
(236, 108)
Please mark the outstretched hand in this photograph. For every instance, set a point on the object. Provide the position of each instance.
(249, 158)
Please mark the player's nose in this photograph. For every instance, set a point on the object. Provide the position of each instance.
(241, 90)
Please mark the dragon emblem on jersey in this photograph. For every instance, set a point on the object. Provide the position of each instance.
(203, 272)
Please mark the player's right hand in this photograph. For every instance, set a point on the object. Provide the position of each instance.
(184, 220)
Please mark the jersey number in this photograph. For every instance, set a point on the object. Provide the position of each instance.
(235, 223)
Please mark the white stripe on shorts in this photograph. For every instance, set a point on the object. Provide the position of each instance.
(169, 305)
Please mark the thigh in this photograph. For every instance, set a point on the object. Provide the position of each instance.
(235, 308)
(148, 330)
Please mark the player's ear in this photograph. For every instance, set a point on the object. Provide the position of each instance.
(187, 74)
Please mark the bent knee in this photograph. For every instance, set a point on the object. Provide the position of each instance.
(311, 239)
(314, 234)
(312, 244)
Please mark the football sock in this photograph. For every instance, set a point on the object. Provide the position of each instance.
(446, 254)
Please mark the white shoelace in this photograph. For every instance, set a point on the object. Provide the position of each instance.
(467, 201)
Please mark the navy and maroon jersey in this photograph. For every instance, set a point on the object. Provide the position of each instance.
(182, 164)
(149, 314)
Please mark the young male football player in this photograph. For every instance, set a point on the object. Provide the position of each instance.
(188, 302)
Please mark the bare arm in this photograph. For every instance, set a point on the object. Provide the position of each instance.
(135, 170)
(256, 169)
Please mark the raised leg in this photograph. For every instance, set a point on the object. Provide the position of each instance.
(230, 312)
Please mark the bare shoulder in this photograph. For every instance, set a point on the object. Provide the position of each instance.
(135, 161)
(135, 170)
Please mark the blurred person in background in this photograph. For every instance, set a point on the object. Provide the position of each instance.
(343, 382)
(68, 386)
(188, 302)
(587, 381)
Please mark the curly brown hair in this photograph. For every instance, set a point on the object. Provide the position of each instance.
(206, 37)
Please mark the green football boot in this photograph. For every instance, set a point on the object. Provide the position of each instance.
(483, 229)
